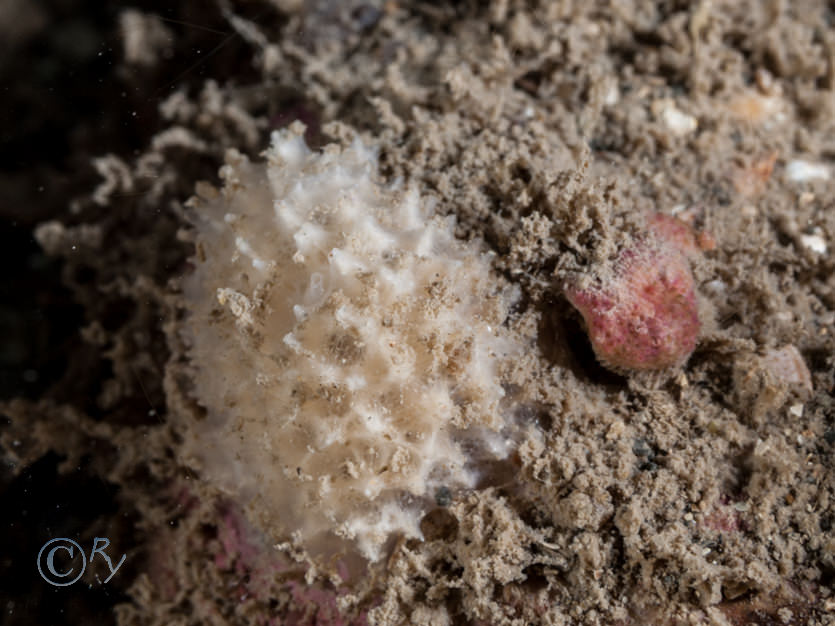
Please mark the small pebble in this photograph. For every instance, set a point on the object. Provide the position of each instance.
(443, 497)
(787, 364)
(814, 242)
(678, 122)
(802, 171)
(641, 448)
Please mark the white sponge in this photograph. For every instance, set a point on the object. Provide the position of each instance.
(345, 344)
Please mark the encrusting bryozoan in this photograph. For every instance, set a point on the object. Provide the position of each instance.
(346, 346)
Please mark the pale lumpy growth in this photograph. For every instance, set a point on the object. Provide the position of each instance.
(347, 347)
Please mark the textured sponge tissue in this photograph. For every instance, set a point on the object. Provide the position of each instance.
(347, 348)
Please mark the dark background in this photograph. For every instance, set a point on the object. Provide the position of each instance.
(66, 96)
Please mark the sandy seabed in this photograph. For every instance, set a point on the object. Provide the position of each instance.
(549, 130)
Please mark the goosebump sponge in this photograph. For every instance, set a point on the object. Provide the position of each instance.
(346, 346)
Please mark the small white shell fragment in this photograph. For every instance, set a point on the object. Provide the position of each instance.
(716, 286)
(796, 410)
(787, 364)
(815, 243)
(678, 122)
(802, 171)
(612, 95)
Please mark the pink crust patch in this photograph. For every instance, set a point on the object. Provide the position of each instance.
(260, 568)
(680, 233)
(645, 316)
(724, 518)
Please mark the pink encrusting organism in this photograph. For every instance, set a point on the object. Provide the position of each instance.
(235, 558)
(641, 312)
